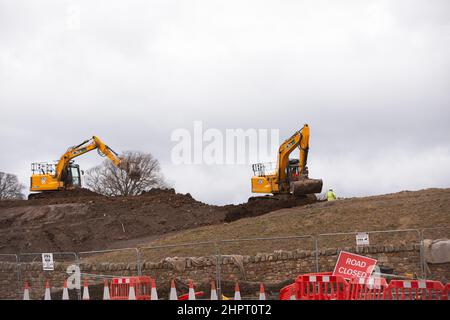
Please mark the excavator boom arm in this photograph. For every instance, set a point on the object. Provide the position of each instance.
(84, 147)
(298, 139)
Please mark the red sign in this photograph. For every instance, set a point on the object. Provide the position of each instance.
(350, 265)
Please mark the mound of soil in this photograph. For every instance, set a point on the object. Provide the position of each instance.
(82, 220)
(64, 194)
(260, 205)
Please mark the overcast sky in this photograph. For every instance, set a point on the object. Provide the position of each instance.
(371, 78)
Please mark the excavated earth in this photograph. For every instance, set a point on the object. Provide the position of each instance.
(84, 220)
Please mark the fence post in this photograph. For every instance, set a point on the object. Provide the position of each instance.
(19, 276)
(77, 262)
(138, 261)
(218, 271)
(422, 255)
(316, 251)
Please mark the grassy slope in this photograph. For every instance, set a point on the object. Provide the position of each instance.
(418, 209)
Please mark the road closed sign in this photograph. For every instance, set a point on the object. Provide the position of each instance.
(47, 262)
(350, 266)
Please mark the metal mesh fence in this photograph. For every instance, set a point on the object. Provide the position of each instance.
(395, 250)
(182, 262)
(31, 271)
(432, 259)
(277, 264)
(96, 266)
(274, 261)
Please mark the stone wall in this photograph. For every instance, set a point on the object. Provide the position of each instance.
(263, 267)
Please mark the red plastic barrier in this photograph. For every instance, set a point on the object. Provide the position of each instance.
(292, 289)
(120, 288)
(446, 292)
(368, 288)
(287, 291)
(415, 290)
(322, 287)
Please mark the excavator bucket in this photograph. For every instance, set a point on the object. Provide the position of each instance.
(307, 186)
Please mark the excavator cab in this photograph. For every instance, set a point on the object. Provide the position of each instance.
(293, 170)
(72, 177)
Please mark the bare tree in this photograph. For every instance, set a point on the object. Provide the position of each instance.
(110, 180)
(10, 187)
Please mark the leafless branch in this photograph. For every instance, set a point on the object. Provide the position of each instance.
(109, 180)
(10, 187)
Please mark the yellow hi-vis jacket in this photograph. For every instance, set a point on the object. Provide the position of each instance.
(331, 196)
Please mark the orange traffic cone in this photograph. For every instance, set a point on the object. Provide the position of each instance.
(213, 291)
(262, 294)
(86, 289)
(47, 295)
(106, 291)
(173, 291)
(191, 295)
(132, 292)
(153, 293)
(237, 292)
(26, 291)
(65, 295)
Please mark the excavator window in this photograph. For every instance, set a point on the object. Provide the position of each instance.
(72, 177)
(76, 181)
(292, 170)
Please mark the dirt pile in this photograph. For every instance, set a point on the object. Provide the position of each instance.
(80, 193)
(260, 205)
(84, 220)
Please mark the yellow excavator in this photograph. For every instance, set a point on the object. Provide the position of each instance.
(65, 174)
(290, 176)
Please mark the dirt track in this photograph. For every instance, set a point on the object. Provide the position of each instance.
(84, 220)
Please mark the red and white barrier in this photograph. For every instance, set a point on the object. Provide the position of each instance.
(368, 288)
(120, 288)
(293, 296)
(322, 287)
(446, 295)
(415, 290)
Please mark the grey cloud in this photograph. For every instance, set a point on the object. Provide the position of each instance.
(371, 78)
